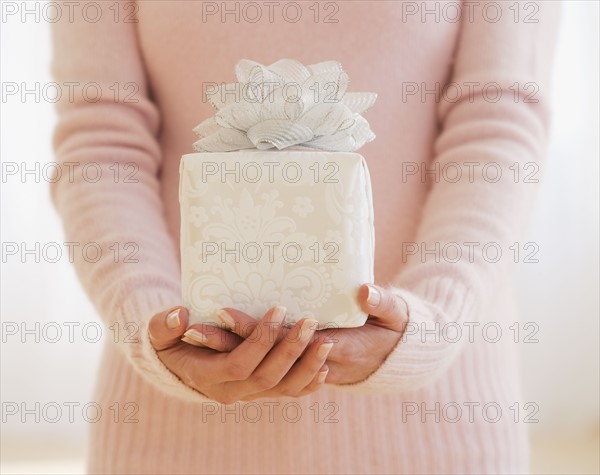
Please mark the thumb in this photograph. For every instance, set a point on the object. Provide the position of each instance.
(166, 328)
(388, 309)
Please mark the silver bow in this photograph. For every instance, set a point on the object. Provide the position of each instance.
(286, 104)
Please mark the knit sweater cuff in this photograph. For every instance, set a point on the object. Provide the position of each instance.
(138, 308)
(423, 352)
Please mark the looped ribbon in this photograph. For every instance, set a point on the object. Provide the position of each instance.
(283, 105)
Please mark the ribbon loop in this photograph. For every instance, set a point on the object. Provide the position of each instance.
(297, 106)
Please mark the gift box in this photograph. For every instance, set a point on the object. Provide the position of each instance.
(276, 206)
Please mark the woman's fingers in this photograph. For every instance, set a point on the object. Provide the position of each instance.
(243, 324)
(270, 361)
(310, 372)
(388, 309)
(314, 385)
(240, 363)
(166, 328)
(317, 381)
(237, 321)
(306, 376)
(211, 336)
(282, 357)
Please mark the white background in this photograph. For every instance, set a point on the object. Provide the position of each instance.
(560, 293)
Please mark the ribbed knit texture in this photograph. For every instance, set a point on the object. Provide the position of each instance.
(168, 55)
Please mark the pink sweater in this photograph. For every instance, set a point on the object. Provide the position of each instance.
(433, 406)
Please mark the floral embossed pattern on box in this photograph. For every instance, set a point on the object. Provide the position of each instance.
(261, 229)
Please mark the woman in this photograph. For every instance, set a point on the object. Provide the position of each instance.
(404, 393)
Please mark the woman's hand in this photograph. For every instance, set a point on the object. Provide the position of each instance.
(267, 363)
(358, 352)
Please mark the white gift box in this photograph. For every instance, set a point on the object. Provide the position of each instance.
(261, 228)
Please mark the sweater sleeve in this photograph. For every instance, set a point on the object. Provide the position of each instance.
(108, 194)
(497, 126)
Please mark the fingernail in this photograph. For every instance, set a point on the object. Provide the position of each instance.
(322, 376)
(324, 350)
(279, 313)
(173, 320)
(307, 328)
(226, 319)
(374, 296)
(191, 342)
(194, 337)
